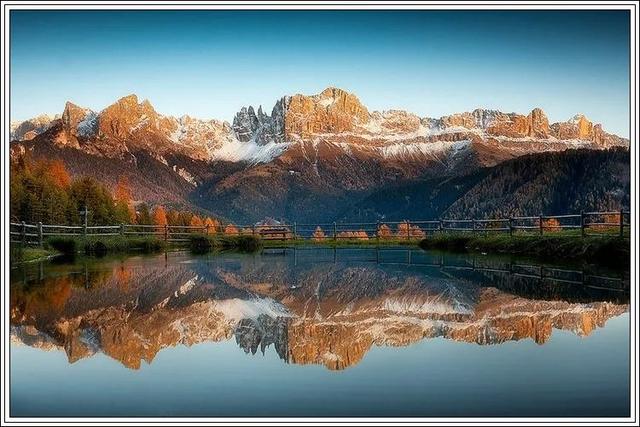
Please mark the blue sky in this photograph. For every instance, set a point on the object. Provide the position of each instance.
(210, 63)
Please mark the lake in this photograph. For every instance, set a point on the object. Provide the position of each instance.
(318, 332)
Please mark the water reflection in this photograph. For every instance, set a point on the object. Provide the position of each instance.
(312, 306)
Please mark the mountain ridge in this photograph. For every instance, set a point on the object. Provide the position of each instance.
(319, 153)
(295, 117)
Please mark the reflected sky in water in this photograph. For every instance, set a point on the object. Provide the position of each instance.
(323, 332)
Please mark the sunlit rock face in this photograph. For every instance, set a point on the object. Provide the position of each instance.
(330, 315)
(334, 116)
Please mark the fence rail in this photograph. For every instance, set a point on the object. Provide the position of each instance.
(589, 223)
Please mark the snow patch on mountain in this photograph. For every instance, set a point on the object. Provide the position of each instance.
(88, 126)
(434, 306)
(186, 175)
(235, 310)
(234, 151)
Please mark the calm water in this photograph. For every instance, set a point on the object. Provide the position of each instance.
(317, 332)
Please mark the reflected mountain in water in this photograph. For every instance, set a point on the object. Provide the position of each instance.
(313, 307)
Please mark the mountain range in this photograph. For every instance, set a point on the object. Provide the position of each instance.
(312, 158)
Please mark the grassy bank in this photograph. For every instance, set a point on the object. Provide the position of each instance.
(342, 242)
(611, 251)
(102, 245)
(203, 243)
(20, 254)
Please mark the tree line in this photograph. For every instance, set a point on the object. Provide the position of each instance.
(44, 191)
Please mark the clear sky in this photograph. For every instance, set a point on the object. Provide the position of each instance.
(210, 63)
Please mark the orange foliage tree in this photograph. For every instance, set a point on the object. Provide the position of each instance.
(551, 224)
(318, 234)
(211, 224)
(384, 232)
(231, 229)
(360, 235)
(159, 216)
(405, 230)
(122, 197)
(196, 221)
(608, 221)
(58, 173)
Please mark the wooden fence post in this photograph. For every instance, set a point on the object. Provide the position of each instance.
(440, 227)
(377, 233)
(206, 228)
(40, 240)
(23, 233)
(621, 222)
(408, 230)
(166, 232)
(473, 226)
(510, 226)
(582, 224)
(295, 230)
(335, 234)
(540, 218)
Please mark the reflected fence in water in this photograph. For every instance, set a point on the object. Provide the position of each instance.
(444, 262)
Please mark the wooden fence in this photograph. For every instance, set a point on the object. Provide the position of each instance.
(584, 223)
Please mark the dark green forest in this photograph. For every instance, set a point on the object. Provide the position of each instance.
(547, 183)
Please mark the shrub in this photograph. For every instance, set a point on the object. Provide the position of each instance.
(201, 244)
(242, 243)
(65, 245)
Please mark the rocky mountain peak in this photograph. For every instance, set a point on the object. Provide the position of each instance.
(72, 114)
(29, 129)
(126, 116)
(538, 124)
(332, 111)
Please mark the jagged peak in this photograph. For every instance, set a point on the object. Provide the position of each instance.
(70, 106)
(334, 92)
(578, 118)
(128, 99)
(146, 104)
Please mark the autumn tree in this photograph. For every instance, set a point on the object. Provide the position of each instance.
(384, 232)
(361, 235)
(406, 230)
(211, 224)
(231, 229)
(58, 173)
(551, 224)
(124, 204)
(143, 216)
(196, 221)
(318, 234)
(159, 216)
(173, 217)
